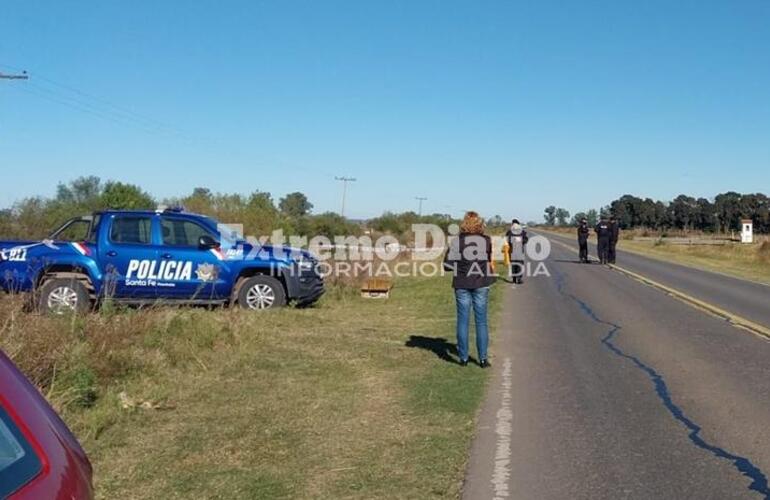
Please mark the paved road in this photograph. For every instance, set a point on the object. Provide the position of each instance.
(747, 299)
(605, 388)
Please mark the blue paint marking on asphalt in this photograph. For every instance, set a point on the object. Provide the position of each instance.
(744, 465)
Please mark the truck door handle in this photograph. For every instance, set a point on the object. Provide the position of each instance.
(112, 253)
(167, 256)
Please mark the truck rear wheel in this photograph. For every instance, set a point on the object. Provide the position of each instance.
(261, 292)
(62, 296)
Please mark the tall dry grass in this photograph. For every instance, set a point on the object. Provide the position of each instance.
(763, 251)
(328, 402)
(77, 360)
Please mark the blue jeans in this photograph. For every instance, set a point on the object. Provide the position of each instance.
(479, 298)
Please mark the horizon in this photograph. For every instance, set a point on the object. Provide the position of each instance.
(169, 202)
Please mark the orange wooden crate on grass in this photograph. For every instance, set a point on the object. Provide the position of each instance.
(376, 288)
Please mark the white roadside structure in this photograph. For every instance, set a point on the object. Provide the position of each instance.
(747, 231)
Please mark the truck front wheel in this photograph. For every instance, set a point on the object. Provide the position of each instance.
(261, 292)
(63, 295)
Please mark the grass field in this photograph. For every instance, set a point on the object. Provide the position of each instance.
(744, 261)
(348, 399)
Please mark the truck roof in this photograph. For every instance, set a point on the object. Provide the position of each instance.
(146, 212)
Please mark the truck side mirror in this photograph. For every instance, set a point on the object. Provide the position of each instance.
(206, 242)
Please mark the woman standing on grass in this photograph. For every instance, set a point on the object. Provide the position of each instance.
(469, 257)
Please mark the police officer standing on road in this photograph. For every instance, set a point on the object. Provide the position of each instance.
(582, 234)
(603, 236)
(515, 242)
(614, 235)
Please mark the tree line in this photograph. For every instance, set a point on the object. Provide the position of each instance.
(36, 217)
(556, 216)
(722, 214)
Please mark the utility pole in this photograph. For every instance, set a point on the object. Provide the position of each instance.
(344, 181)
(420, 199)
(22, 76)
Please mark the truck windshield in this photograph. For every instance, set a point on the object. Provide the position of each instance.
(77, 229)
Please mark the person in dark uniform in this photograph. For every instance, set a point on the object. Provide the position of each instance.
(614, 235)
(582, 235)
(515, 243)
(603, 236)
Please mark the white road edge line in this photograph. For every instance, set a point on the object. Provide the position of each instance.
(503, 426)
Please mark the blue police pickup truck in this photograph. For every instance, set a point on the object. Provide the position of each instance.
(141, 257)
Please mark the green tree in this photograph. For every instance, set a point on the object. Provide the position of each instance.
(578, 217)
(389, 223)
(83, 192)
(593, 217)
(682, 212)
(627, 210)
(125, 196)
(6, 222)
(562, 215)
(550, 215)
(728, 209)
(331, 224)
(295, 205)
(495, 221)
(705, 217)
(200, 201)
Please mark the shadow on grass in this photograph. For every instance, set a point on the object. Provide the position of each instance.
(437, 345)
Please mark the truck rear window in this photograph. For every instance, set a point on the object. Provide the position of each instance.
(133, 230)
(18, 462)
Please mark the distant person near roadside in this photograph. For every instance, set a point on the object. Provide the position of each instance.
(582, 235)
(614, 235)
(515, 242)
(469, 257)
(603, 236)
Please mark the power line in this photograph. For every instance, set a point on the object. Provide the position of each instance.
(344, 181)
(102, 108)
(9, 76)
(86, 99)
(420, 199)
(104, 102)
(77, 99)
(84, 108)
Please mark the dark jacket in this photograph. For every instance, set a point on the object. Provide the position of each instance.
(614, 231)
(469, 257)
(517, 239)
(582, 232)
(603, 231)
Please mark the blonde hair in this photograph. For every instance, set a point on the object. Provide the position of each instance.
(472, 223)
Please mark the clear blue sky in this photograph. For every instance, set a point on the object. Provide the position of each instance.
(504, 107)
